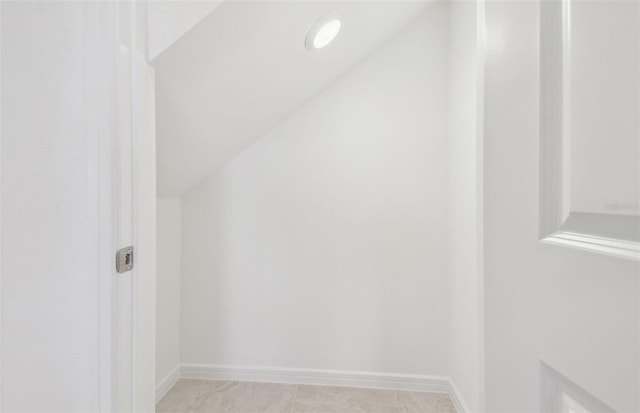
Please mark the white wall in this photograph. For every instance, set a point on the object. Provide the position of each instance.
(465, 120)
(574, 310)
(59, 133)
(169, 249)
(50, 295)
(324, 245)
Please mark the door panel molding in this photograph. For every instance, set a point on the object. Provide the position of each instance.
(610, 233)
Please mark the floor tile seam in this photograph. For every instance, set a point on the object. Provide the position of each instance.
(400, 404)
(293, 399)
(200, 402)
(210, 392)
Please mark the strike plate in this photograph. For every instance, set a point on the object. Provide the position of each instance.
(124, 259)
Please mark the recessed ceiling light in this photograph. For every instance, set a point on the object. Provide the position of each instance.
(323, 32)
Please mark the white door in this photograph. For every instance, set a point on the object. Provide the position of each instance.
(562, 115)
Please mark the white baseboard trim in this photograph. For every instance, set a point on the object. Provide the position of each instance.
(167, 383)
(456, 398)
(415, 382)
(390, 381)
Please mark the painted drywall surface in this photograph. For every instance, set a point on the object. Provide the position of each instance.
(169, 247)
(324, 244)
(1, 250)
(169, 20)
(574, 310)
(50, 298)
(263, 73)
(464, 271)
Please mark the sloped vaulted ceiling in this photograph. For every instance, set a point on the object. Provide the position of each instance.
(244, 68)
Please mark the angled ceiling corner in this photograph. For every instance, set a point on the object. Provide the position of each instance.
(168, 20)
(245, 68)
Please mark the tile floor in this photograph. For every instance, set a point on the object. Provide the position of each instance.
(200, 396)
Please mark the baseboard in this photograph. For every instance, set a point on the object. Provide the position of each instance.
(167, 383)
(456, 398)
(391, 381)
(436, 384)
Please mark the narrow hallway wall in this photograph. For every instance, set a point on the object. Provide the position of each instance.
(465, 199)
(324, 245)
(50, 275)
(169, 251)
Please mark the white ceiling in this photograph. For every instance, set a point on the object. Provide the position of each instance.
(244, 68)
(168, 20)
